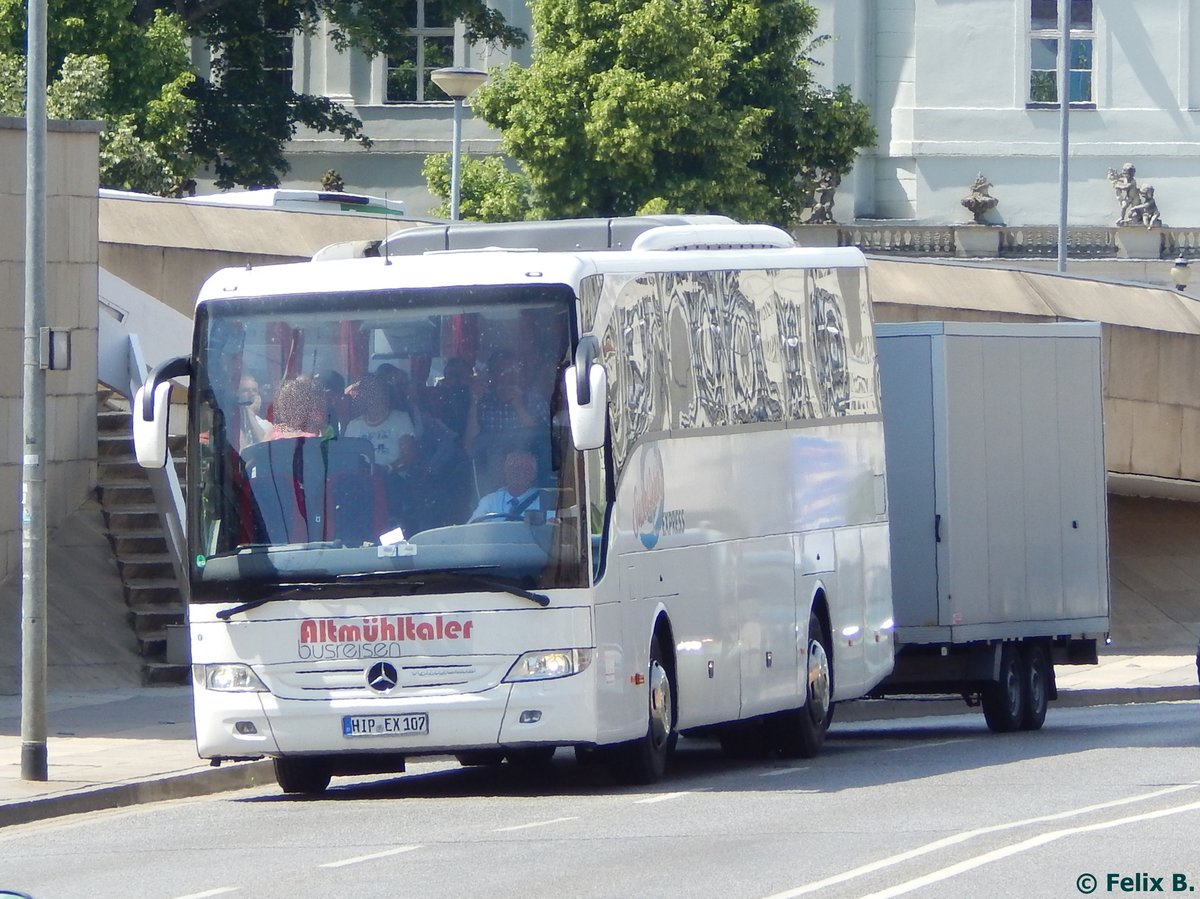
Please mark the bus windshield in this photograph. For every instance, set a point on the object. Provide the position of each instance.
(345, 444)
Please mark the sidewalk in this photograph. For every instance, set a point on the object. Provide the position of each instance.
(127, 746)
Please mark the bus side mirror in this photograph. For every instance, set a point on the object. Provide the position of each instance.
(586, 383)
(151, 411)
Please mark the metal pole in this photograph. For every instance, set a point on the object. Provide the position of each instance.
(1064, 111)
(456, 159)
(33, 479)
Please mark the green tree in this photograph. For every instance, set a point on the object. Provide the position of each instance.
(248, 110)
(104, 66)
(488, 190)
(239, 120)
(673, 105)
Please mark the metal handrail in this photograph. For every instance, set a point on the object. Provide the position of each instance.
(164, 482)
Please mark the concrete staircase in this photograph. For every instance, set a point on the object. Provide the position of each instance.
(152, 595)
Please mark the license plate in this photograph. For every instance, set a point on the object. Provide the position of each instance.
(385, 725)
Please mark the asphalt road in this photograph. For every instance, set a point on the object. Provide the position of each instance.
(931, 806)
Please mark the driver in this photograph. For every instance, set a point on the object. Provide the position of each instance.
(519, 493)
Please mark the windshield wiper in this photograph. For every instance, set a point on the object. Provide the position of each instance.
(286, 593)
(469, 575)
(492, 584)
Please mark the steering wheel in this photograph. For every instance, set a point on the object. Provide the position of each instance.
(493, 516)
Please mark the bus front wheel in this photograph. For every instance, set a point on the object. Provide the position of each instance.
(303, 775)
(644, 761)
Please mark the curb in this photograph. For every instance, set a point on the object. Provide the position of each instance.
(237, 776)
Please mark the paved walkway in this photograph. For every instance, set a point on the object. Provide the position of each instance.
(125, 746)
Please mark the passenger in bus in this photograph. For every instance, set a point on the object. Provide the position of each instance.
(253, 427)
(393, 437)
(299, 410)
(503, 416)
(519, 493)
(337, 403)
(390, 431)
(450, 398)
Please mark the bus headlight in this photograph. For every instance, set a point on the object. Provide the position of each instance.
(547, 664)
(232, 678)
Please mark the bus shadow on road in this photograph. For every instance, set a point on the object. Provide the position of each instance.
(855, 755)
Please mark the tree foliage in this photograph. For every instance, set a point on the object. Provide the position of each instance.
(239, 120)
(247, 111)
(488, 190)
(104, 66)
(673, 105)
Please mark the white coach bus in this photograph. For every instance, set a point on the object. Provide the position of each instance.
(685, 442)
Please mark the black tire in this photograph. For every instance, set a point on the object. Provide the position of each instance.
(303, 775)
(1038, 677)
(480, 758)
(530, 756)
(644, 761)
(1004, 700)
(800, 733)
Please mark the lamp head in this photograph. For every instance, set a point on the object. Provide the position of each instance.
(458, 83)
(1181, 272)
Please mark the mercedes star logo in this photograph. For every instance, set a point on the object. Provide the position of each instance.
(382, 677)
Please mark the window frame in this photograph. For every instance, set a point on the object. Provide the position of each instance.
(1033, 35)
(420, 33)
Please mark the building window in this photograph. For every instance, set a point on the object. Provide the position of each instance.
(428, 45)
(1043, 53)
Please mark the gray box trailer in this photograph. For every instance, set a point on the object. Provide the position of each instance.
(997, 508)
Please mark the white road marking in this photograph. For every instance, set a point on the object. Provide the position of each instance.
(662, 797)
(219, 891)
(777, 772)
(956, 839)
(535, 824)
(368, 858)
(928, 745)
(1032, 843)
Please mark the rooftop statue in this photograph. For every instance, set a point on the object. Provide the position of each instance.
(1137, 205)
(980, 201)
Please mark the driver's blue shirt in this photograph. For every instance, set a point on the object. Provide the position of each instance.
(501, 502)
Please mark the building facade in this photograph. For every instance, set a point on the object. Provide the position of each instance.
(405, 116)
(958, 89)
(963, 87)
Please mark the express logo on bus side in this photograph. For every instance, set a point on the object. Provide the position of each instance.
(649, 499)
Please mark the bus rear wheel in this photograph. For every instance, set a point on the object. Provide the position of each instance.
(303, 775)
(800, 733)
(644, 761)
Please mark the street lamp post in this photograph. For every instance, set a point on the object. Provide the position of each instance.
(458, 84)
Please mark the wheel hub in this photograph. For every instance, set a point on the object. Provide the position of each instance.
(661, 715)
(818, 680)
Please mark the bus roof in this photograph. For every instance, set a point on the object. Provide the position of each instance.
(484, 267)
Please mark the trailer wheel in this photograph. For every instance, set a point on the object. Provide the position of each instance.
(303, 775)
(644, 761)
(1004, 700)
(1037, 686)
